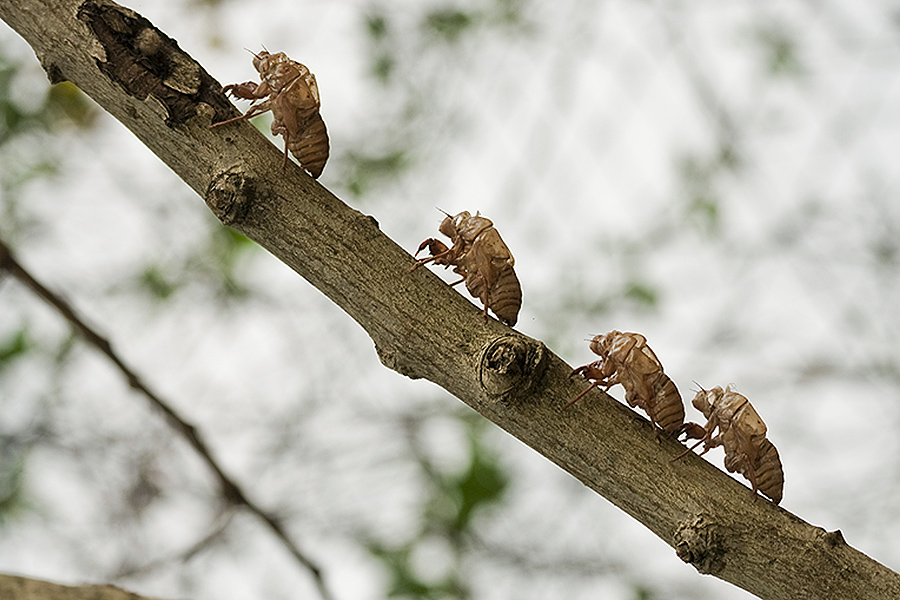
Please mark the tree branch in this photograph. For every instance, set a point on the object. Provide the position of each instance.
(231, 491)
(423, 328)
(22, 588)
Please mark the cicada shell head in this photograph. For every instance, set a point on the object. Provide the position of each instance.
(601, 343)
(263, 62)
(469, 227)
(705, 399)
(449, 225)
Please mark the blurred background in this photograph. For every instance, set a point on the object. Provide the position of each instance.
(721, 177)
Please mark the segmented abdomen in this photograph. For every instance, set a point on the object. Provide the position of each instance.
(665, 408)
(505, 298)
(769, 474)
(311, 148)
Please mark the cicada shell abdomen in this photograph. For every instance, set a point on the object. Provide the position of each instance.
(296, 116)
(504, 297)
(666, 407)
(769, 474)
(482, 259)
(311, 147)
(311, 150)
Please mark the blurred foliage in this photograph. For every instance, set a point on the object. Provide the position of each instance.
(458, 497)
(642, 294)
(13, 347)
(63, 105)
(450, 511)
(228, 247)
(780, 50)
(378, 32)
(154, 280)
(643, 593)
(405, 581)
(216, 265)
(400, 53)
(367, 171)
(699, 184)
(446, 24)
(211, 4)
(449, 23)
(29, 121)
(12, 471)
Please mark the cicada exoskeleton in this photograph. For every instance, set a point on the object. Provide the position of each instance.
(289, 90)
(625, 358)
(479, 255)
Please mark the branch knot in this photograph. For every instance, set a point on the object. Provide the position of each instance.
(698, 542)
(230, 196)
(511, 366)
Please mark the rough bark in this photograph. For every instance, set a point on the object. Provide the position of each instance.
(21, 588)
(424, 329)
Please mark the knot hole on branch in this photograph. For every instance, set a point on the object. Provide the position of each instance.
(697, 542)
(511, 367)
(230, 196)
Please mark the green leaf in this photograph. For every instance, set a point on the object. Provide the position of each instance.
(376, 26)
(14, 346)
(154, 281)
(449, 24)
(480, 484)
(66, 103)
(404, 583)
(383, 67)
(641, 293)
(367, 170)
(781, 51)
(704, 208)
(12, 495)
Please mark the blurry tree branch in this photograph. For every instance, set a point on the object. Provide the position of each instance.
(424, 329)
(231, 491)
(21, 588)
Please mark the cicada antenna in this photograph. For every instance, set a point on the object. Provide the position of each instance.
(256, 54)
